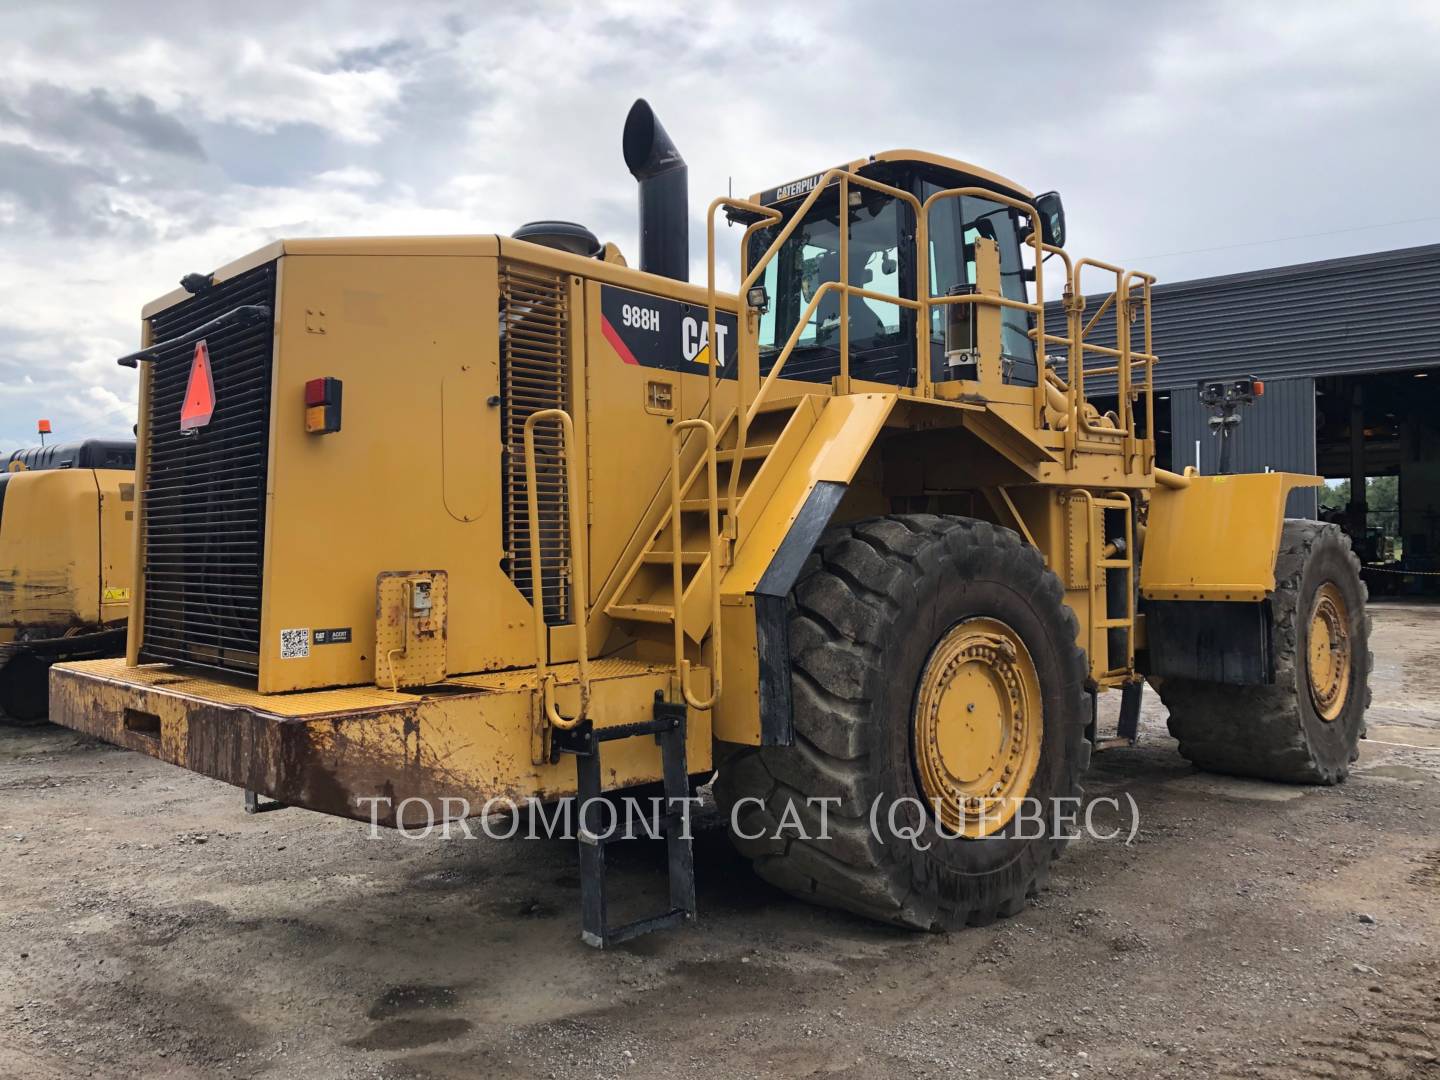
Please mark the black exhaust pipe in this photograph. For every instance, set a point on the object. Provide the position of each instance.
(664, 194)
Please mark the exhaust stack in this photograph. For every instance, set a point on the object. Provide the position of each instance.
(664, 194)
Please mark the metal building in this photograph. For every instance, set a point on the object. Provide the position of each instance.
(1349, 351)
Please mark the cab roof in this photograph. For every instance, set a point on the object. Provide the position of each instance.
(964, 171)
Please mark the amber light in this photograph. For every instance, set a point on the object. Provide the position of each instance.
(322, 406)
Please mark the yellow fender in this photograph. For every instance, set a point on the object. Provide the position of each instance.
(1216, 537)
(755, 709)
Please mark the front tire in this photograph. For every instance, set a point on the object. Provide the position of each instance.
(933, 664)
(1306, 727)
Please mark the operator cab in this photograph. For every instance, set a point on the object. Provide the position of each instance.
(882, 260)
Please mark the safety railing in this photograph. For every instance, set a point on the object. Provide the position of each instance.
(1074, 419)
(579, 560)
(677, 566)
(747, 376)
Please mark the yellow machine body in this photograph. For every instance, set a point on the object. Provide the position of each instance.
(1218, 538)
(67, 522)
(65, 550)
(343, 691)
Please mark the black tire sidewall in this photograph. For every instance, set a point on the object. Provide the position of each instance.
(1331, 741)
(985, 580)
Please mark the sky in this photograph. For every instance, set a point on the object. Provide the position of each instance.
(142, 141)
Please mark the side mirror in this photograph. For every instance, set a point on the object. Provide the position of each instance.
(1051, 212)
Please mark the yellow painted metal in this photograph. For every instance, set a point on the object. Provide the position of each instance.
(677, 566)
(1216, 538)
(419, 476)
(833, 450)
(373, 496)
(978, 726)
(1099, 558)
(410, 628)
(1328, 651)
(65, 549)
(571, 455)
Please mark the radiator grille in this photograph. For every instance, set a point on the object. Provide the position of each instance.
(204, 495)
(535, 375)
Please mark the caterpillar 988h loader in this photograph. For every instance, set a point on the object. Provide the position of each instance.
(501, 517)
(66, 523)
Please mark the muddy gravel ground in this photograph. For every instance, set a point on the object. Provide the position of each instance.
(149, 928)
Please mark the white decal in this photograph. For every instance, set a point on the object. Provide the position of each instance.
(294, 644)
(695, 334)
(641, 318)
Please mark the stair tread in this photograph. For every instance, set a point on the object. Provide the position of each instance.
(687, 558)
(654, 613)
(752, 452)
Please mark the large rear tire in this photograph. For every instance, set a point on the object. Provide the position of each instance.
(1306, 727)
(935, 675)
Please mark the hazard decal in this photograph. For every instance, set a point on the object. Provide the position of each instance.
(199, 404)
(656, 332)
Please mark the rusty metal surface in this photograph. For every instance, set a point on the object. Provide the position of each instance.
(327, 750)
(213, 690)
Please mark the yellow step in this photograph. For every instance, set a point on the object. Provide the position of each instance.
(651, 613)
(751, 453)
(687, 558)
(702, 506)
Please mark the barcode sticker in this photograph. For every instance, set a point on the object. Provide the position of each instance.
(294, 644)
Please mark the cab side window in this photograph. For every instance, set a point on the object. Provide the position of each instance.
(881, 333)
(955, 225)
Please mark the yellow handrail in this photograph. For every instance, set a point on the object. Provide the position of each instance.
(682, 663)
(742, 322)
(1076, 424)
(1037, 309)
(748, 360)
(578, 562)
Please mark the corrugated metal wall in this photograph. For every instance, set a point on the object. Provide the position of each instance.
(1360, 314)
(1276, 432)
(1286, 325)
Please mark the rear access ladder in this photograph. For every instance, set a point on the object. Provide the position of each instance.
(579, 736)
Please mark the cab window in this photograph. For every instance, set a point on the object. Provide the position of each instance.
(955, 225)
(881, 338)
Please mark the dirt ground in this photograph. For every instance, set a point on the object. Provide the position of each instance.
(149, 928)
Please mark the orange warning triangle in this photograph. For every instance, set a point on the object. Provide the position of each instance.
(199, 405)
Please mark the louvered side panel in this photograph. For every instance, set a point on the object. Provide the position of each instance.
(535, 375)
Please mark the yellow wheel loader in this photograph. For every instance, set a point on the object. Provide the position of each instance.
(435, 526)
(66, 521)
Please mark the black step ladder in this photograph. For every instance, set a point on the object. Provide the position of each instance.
(668, 729)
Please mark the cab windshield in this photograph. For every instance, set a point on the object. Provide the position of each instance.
(881, 260)
(881, 334)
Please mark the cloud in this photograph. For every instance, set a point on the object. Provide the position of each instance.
(350, 176)
(136, 146)
(45, 191)
(55, 113)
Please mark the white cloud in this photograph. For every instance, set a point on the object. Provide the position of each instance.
(153, 146)
(350, 176)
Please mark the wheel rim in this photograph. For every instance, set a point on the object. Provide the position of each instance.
(1328, 652)
(978, 726)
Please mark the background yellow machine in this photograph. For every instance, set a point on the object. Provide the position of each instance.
(501, 517)
(66, 554)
